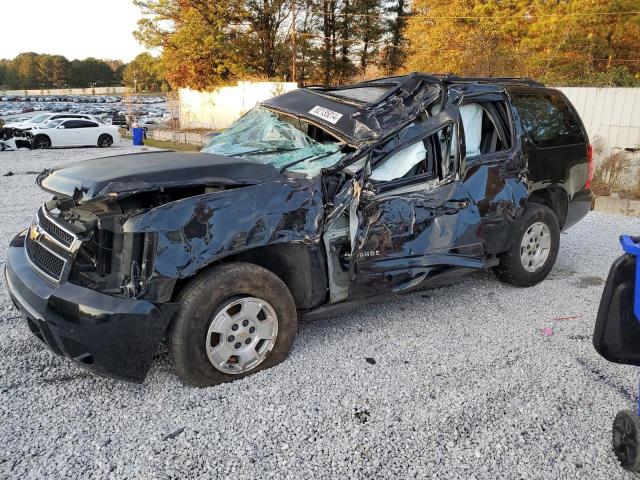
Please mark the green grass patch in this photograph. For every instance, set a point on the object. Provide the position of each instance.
(165, 144)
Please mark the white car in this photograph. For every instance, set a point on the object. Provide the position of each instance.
(74, 133)
(43, 118)
(12, 111)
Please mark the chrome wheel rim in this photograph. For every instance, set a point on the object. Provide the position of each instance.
(241, 335)
(535, 247)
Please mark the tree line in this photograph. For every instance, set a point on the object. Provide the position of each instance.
(39, 71)
(35, 71)
(211, 42)
(574, 42)
(207, 43)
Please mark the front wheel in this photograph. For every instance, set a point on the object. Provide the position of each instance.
(41, 142)
(534, 248)
(105, 141)
(235, 320)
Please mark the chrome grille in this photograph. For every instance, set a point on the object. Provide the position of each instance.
(45, 260)
(50, 247)
(54, 230)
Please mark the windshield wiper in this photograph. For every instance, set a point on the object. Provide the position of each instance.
(264, 150)
(300, 160)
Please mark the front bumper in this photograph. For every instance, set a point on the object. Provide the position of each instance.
(111, 336)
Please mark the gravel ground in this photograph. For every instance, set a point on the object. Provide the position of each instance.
(463, 385)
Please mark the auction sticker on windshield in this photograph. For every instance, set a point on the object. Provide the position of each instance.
(326, 114)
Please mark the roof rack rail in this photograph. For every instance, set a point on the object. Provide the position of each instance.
(443, 78)
(452, 78)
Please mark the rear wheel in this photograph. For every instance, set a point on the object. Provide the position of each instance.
(235, 319)
(534, 249)
(105, 141)
(41, 142)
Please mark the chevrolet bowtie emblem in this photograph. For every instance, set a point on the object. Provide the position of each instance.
(34, 233)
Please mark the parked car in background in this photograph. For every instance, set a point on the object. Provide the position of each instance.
(11, 105)
(78, 132)
(43, 118)
(10, 111)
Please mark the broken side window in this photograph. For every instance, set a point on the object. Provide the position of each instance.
(429, 158)
(486, 128)
(405, 163)
(279, 140)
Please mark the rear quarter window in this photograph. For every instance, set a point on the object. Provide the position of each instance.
(549, 120)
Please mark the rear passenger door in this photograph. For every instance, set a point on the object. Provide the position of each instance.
(493, 169)
(82, 132)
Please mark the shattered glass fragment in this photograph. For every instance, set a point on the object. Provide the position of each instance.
(263, 136)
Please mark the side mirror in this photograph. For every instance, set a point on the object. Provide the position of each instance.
(60, 126)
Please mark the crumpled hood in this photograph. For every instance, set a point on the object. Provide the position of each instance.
(20, 125)
(92, 179)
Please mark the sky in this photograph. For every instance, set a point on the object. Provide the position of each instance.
(74, 28)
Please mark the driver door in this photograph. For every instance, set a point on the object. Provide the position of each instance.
(416, 222)
(63, 134)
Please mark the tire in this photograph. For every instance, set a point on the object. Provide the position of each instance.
(41, 142)
(511, 268)
(105, 141)
(626, 439)
(211, 299)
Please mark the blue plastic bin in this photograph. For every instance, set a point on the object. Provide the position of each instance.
(138, 136)
(631, 245)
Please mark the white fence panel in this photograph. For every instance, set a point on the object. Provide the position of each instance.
(612, 119)
(613, 114)
(219, 108)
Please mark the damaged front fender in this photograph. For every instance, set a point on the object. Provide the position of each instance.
(200, 230)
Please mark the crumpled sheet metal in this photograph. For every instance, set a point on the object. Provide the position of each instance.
(397, 110)
(403, 239)
(199, 230)
(361, 124)
(494, 192)
(346, 197)
(93, 179)
(14, 138)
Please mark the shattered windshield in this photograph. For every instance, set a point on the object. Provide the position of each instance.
(284, 142)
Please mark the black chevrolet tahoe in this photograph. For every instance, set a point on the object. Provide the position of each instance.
(314, 201)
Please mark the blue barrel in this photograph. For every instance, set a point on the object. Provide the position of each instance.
(631, 245)
(138, 136)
